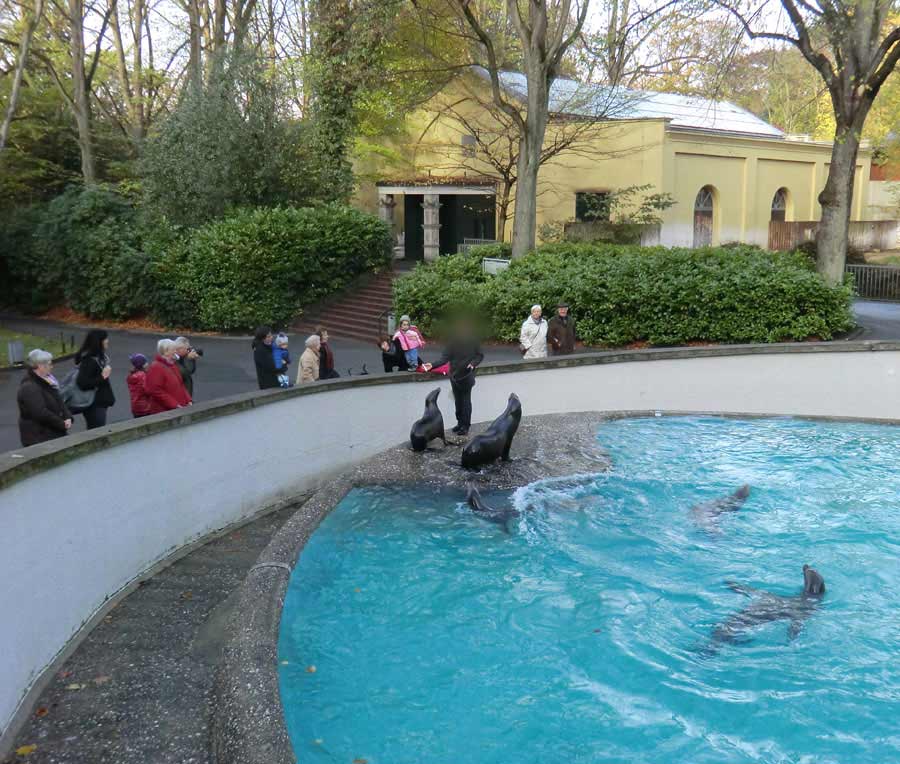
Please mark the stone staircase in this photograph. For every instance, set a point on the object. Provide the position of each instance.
(359, 314)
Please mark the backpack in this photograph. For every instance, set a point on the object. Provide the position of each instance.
(73, 396)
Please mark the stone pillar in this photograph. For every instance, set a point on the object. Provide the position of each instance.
(432, 226)
(386, 206)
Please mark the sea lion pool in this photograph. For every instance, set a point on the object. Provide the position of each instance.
(608, 621)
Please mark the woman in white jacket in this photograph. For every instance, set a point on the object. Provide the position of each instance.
(533, 337)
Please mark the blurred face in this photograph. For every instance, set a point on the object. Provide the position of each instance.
(404, 325)
(324, 336)
(536, 314)
(106, 344)
(563, 312)
(169, 354)
(268, 339)
(44, 369)
(385, 346)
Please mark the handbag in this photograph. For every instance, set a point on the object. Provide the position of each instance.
(73, 396)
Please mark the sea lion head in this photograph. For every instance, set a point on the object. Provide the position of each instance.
(813, 583)
(743, 492)
(514, 407)
(432, 397)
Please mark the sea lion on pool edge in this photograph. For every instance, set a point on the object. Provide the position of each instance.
(430, 426)
(499, 517)
(706, 513)
(494, 443)
(767, 607)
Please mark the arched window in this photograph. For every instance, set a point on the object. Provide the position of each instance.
(703, 217)
(780, 205)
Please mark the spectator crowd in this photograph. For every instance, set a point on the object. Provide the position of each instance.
(47, 405)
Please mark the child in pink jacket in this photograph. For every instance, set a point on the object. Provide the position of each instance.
(411, 340)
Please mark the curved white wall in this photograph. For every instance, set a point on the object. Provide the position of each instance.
(73, 535)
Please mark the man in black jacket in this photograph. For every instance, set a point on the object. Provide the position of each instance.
(186, 358)
(463, 353)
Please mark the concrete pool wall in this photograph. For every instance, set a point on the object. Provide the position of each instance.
(84, 518)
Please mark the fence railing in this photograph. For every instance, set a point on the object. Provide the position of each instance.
(467, 243)
(865, 235)
(876, 282)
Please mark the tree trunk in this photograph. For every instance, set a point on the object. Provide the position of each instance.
(530, 145)
(81, 105)
(195, 57)
(836, 200)
(21, 63)
(503, 210)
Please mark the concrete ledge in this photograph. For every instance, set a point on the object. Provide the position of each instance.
(101, 507)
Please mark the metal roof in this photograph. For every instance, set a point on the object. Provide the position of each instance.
(685, 112)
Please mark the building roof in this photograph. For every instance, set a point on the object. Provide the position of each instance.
(568, 97)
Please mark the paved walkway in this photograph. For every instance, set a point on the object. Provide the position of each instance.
(227, 365)
(137, 690)
(225, 369)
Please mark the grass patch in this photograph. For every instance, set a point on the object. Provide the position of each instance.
(49, 343)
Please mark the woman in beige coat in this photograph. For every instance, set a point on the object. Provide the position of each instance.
(309, 361)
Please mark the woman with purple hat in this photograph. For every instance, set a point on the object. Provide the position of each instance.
(137, 380)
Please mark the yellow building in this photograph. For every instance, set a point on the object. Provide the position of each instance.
(729, 172)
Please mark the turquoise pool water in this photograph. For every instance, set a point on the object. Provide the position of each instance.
(415, 632)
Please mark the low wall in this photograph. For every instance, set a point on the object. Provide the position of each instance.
(82, 518)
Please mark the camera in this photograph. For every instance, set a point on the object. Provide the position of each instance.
(198, 351)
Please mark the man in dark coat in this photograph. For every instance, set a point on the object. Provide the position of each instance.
(463, 353)
(42, 413)
(266, 371)
(561, 332)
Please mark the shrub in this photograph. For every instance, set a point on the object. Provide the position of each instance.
(82, 249)
(262, 265)
(626, 294)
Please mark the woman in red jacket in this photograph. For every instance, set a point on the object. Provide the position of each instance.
(164, 385)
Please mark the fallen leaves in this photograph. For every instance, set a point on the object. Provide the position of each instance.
(25, 750)
(360, 761)
(42, 711)
(75, 686)
(310, 669)
(101, 680)
(187, 595)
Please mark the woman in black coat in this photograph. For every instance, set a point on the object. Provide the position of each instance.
(42, 413)
(266, 371)
(93, 374)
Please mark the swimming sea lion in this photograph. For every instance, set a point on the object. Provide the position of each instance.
(430, 426)
(499, 517)
(707, 513)
(767, 607)
(494, 443)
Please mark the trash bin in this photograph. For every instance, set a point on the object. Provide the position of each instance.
(15, 351)
(391, 324)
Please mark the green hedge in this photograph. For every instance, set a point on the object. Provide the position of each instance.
(624, 294)
(263, 265)
(93, 250)
(82, 249)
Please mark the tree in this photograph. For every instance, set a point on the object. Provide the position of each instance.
(854, 47)
(29, 25)
(347, 42)
(545, 31)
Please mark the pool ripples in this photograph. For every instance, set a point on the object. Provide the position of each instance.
(584, 634)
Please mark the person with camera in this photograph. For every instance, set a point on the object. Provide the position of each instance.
(186, 359)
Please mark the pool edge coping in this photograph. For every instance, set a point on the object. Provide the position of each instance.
(248, 723)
